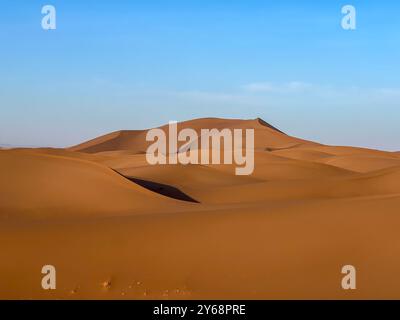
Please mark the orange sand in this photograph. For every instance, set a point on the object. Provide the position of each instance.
(283, 232)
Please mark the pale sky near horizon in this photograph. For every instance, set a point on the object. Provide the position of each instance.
(114, 65)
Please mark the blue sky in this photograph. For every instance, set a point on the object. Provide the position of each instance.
(114, 65)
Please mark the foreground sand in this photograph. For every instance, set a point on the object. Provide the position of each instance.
(283, 232)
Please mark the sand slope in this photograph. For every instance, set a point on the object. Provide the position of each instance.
(38, 185)
(109, 222)
(266, 136)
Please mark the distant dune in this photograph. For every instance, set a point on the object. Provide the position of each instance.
(135, 140)
(101, 214)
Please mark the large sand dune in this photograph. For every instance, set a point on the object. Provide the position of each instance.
(116, 227)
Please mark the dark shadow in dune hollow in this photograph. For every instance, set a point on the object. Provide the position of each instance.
(164, 189)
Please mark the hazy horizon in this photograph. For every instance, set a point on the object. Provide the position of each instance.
(137, 65)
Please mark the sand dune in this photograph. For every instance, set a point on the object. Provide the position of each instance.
(362, 163)
(354, 159)
(135, 140)
(116, 227)
(42, 186)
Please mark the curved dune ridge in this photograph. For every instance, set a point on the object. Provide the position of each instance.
(135, 140)
(116, 227)
(49, 185)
